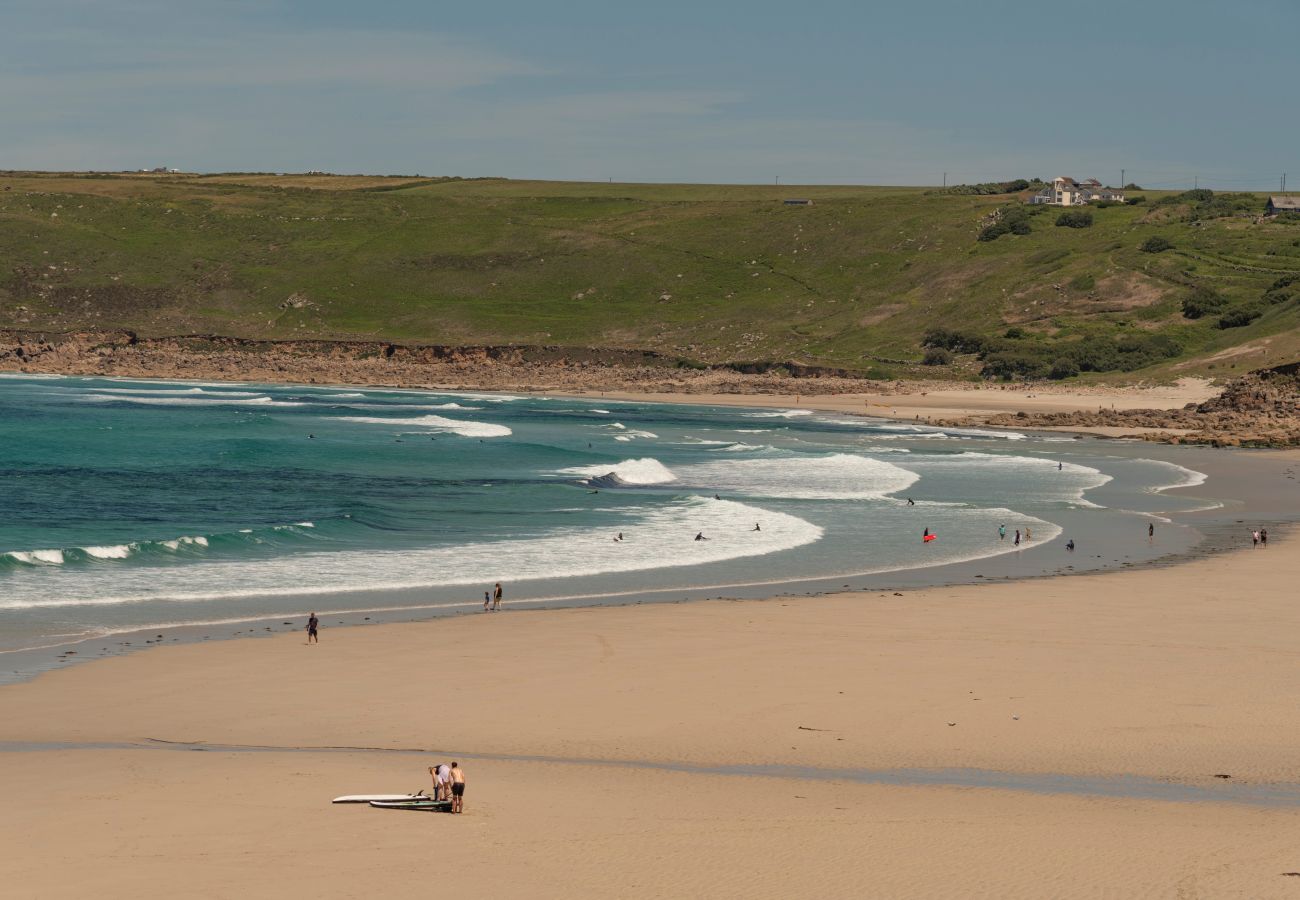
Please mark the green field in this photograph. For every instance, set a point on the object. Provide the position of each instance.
(706, 273)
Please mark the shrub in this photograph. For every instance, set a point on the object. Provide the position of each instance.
(1011, 220)
(1239, 316)
(1203, 301)
(1015, 332)
(1156, 244)
(1010, 363)
(956, 341)
(937, 356)
(1083, 282)
(1284, 290)
(1074, 219)
(1063, 368)
(1132, 187)
(1135, 200)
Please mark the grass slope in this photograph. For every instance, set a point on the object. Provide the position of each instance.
(706, 272)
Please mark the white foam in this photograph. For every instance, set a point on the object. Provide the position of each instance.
(840, 476)
(785, 414)
(214, 400)
(37, 557)
(173, 392)
(629, 471)
(1186, 477)
(116, 551)
(654, 538)
(435, 423)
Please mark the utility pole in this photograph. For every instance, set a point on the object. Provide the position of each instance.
(778, 180)
(945, 179)
(1121, 179)
(1196, 182)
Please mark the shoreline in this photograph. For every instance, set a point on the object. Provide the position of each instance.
(387, 605)
(1036, 732)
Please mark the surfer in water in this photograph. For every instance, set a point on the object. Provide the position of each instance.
(1069, 545)
(700, 537)
(619, 539)
(911, 502)
(313, 625)
(756, 528)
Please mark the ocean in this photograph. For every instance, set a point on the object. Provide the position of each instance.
(133, 504)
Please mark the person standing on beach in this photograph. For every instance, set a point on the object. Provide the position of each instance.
(1028, 536)
(1151, 530)
(496, 597)
(1002, 532)
(1254, 538)
(313, 625)
(487, 598)
(1017, 537)
(457, 788)
(1263, 536)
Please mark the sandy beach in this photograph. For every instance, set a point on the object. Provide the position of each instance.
(1056, 737)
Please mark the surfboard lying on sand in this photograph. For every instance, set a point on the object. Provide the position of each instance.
(366, 798)
(426, 804)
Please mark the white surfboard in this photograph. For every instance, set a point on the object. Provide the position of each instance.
(366, 798)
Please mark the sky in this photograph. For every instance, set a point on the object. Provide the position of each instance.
(1169, 94)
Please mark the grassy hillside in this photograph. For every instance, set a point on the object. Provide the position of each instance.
(709, 273)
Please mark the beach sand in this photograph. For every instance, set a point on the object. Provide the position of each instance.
(569, 724)
(940, 401)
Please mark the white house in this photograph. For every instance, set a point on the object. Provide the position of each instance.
(1068, 192)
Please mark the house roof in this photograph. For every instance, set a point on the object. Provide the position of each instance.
(1280, 201)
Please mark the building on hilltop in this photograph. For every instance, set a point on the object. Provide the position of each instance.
(1068, 192)
(1280, 203)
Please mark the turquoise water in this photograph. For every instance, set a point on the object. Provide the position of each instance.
(133, 504)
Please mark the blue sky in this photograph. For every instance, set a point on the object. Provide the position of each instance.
(814, 92)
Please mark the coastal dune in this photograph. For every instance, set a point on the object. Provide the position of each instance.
(730, 749)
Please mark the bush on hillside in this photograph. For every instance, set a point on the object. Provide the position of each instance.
(937, 356)
(1284, 290)
(956, 341)
(1132, 187)
(1074, 219)
(1011, 220)
(1063, 368)
(1239, 316)
(991, 187)
(1156, 244)
(1083, 282)
(1015, 332)
(1203, 203)
(1203, 301)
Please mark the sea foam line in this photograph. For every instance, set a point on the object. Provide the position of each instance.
(653, 539)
